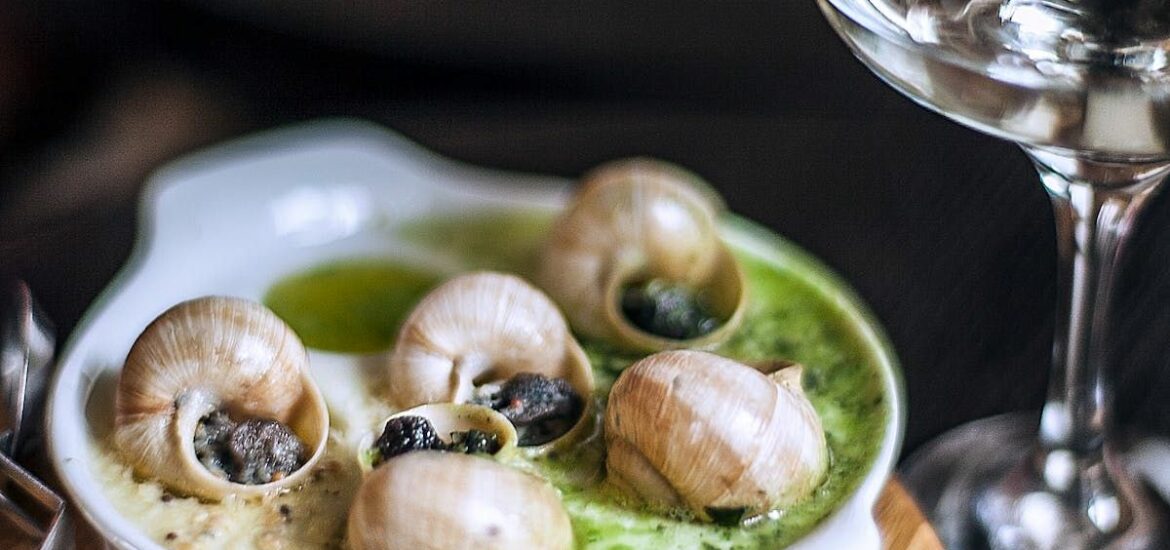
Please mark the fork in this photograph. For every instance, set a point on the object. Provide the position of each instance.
(26, 352)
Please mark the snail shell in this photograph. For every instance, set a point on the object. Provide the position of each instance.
(692, 429)
(453, 417)
(203, 355)
(633, 221)
(435, 500)
(481, 328)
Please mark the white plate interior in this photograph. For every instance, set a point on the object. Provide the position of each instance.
(234, 219)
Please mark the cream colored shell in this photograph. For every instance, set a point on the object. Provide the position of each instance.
(481, 328)
(197, 357)
(692, 429)
(632, 221)
(427, 500)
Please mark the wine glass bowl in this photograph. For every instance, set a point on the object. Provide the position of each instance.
(1011, 69)
(1084, 88)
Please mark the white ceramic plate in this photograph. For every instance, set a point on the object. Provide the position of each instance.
(234, 219)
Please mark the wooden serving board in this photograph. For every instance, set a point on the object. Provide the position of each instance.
(901, 522)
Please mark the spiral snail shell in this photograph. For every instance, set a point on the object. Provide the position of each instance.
(635, 221)
(206, 355)
(695, 430)
(478, 330)
(429, 500)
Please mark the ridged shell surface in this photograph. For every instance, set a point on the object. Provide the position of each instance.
(475, 326)
(693, 429)
(485, 327)
(636, 220)
(429, 500)
(206, 354)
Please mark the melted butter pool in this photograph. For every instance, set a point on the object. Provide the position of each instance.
(354, 306)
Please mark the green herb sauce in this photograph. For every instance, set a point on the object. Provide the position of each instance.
(353, 306)
(788, 319)
(358, 306)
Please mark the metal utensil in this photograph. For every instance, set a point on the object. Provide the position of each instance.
(26, 353)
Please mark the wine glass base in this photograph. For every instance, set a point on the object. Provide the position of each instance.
(979, 490)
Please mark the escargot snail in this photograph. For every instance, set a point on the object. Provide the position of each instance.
(694, 430)
(215, 398)
(455, 427)
(432, 500)
(637, 259)
(494, 339)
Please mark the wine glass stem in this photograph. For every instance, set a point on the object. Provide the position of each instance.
(1096, 204)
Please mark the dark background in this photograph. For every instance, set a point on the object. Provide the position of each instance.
(944, 232)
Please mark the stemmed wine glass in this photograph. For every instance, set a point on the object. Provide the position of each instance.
(1083, 86)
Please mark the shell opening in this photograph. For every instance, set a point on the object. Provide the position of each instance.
(669, 310)
(227, 355)
(652, 312)
(542, 409)
(253, 451)
(308, 425)
(403, 434)
(463, 428)
(633, 225)
(469, 337)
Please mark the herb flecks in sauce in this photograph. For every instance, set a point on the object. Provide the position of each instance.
(316, 522)
(474, 442)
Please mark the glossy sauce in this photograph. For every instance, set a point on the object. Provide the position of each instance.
(354, 306)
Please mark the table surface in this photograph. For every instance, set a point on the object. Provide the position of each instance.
(901, 522)
(943, 231)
